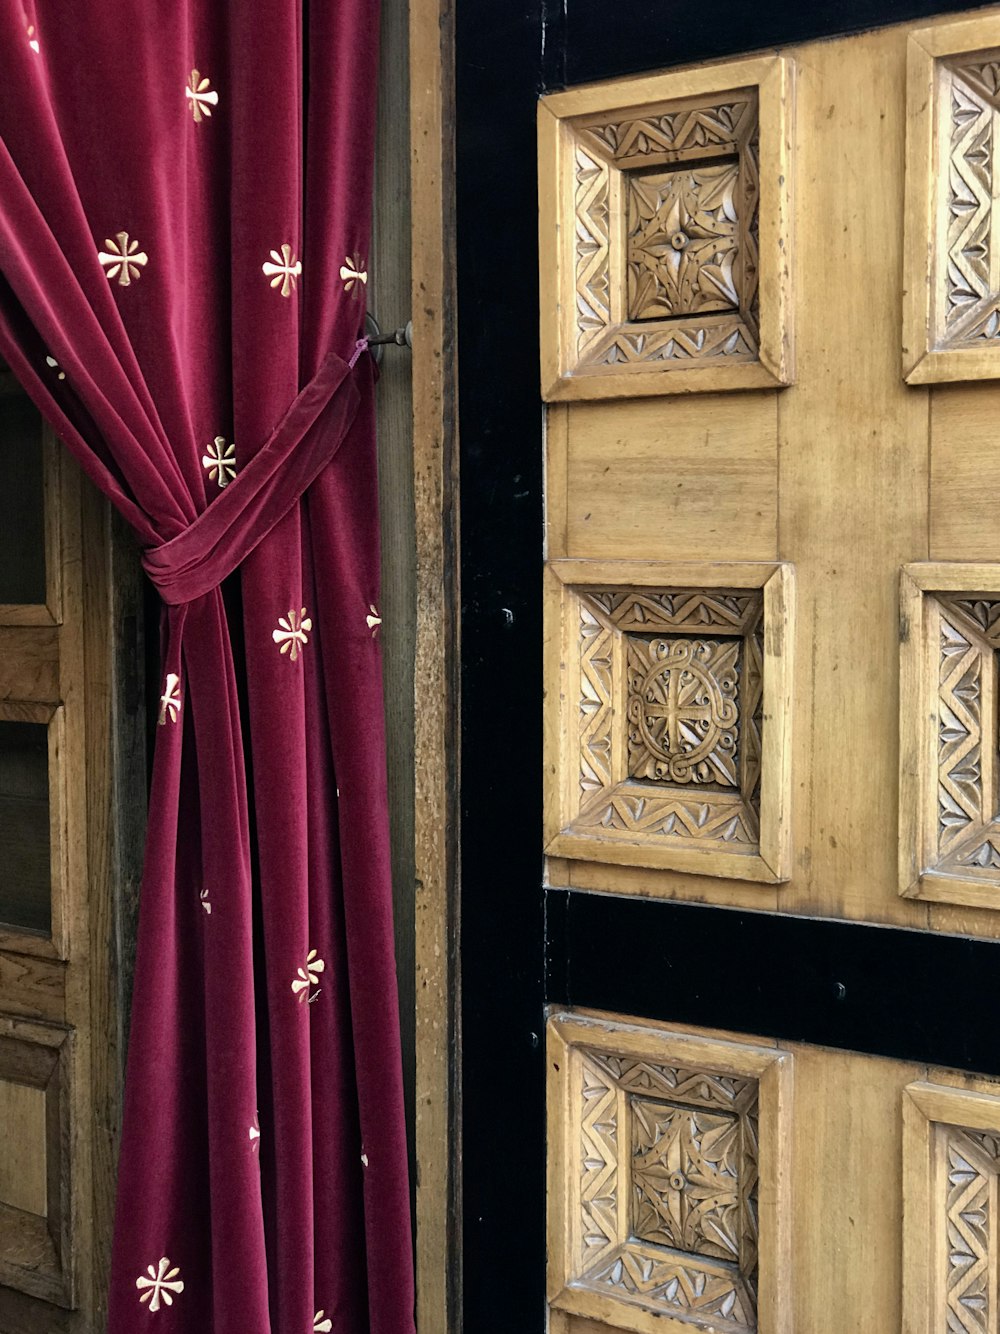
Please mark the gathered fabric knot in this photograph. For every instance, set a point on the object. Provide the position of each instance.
(262, 493)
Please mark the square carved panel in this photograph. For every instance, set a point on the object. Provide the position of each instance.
(664, 233)
(951, 1227)
(662, 1151)
(949, 743)
(951, 314)
(672, 741)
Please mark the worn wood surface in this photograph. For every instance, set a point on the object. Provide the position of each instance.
(389, 299)
(63, 675)
(435, 665)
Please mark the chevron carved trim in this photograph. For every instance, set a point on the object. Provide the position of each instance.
(661, 1145)
(951, 720)
(951, 1167)
(951, 313)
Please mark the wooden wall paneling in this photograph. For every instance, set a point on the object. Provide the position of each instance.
(853, 444)
(671, 479)
(438, 1258)
(389, 298)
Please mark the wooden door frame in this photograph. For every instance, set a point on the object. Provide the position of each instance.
(435, 919)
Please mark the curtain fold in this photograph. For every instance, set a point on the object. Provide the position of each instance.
(184, 230)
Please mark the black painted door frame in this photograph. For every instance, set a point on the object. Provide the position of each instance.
(885, 991)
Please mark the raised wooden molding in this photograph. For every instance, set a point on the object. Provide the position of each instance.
(664, 233)
(951, 1173)
(949, 753)
(668, 722)
(951, 302)
(668, 1179)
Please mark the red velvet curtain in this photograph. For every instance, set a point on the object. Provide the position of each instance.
(184, 230)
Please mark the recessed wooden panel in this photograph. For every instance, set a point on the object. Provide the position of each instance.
(683, 484)
(36, 1255)
(949, 756)
(23, 1182)
(29, 663)
(671, 736)
(664, 233)
(667, 1208)
(951, 309)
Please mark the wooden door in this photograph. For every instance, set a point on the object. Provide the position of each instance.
(735, 1042)
(71, 740)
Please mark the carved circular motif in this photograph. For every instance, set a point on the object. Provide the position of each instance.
(682, 711)
(677, 1181)
(679, 240)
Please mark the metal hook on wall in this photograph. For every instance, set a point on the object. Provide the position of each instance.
(402, 337)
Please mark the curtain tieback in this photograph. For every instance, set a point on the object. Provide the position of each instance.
(261, 494)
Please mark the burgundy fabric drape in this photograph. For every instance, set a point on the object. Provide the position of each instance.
(184, 229)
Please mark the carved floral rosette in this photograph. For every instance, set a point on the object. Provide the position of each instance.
(673, 702)
(705, 650)
(683, 287)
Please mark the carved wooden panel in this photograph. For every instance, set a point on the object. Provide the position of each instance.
(951, 1242)
(664, 233)
(664, 753)
(950, 744)
(661, 1147)
(952, 303)
(35, 1225)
